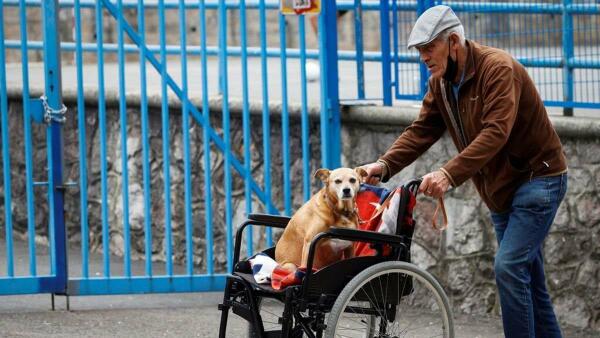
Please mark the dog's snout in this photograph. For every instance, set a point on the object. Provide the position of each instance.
(347, 192)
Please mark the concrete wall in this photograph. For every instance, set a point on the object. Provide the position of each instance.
(461, 257)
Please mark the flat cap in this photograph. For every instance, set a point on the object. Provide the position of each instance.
(430, 24)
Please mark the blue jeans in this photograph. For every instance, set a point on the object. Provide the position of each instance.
(526, 307)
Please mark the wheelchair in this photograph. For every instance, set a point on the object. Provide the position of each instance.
(381, 295)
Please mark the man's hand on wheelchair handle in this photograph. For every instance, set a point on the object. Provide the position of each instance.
(435, 184)
(374, 171)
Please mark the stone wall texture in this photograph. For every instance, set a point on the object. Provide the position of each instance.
(461, 257)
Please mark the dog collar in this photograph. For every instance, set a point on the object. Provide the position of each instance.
(346, 213)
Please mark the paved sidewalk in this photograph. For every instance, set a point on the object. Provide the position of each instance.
(165, 315)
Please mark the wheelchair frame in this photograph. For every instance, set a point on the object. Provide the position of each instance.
(305, 305)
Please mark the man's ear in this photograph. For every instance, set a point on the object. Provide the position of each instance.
(362, 173)
(455, 39)
(322, 174)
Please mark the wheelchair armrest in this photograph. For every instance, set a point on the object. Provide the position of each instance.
(269, 220)
(257, 219)
(365, 236)
(351, 235)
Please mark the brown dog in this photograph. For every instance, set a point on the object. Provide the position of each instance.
(333, 205)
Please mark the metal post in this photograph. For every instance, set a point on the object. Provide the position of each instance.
(330, 100)
(358, 34)
(53, 92)
(422, 6)
(568, 53)
(384, 14)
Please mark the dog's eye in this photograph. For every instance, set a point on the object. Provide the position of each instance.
(338, 181)
(353, 180)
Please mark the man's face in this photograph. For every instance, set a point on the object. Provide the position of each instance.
(434, 55)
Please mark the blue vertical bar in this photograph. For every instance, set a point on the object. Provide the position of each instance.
(265, 113)
(28, 149)
(53, 90)
(102, 127)
(285, 119)
(226, 134)
(360, 63)
(5, 153)
(83, 181)
(422, 6)
(185, 122)
(145, 141)
(568, 53)
(384, 14)
(206, 136)
(165, 136)
(124, 157)
(246, 123)
(304, 111)
(396, 77)
(330, 105)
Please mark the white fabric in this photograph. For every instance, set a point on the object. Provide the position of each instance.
(389, 217)
(262, 267)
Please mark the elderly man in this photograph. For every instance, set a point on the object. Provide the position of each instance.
(506, 145)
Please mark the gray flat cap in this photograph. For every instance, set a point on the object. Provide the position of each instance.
(430, 24)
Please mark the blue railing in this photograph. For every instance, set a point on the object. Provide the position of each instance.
(100, 276)
(558, 42)
(566, 71)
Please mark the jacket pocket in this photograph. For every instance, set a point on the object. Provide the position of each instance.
(518, 164)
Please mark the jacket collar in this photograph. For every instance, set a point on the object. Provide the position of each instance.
(472, 50)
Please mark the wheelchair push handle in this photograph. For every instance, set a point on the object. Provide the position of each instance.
(413, 185)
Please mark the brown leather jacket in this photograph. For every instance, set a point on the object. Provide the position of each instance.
(499, 126)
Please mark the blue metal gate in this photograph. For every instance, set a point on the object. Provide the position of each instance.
(112, 170)
(50, 113)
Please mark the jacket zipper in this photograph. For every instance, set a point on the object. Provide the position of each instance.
(459, 120)
(452, 117)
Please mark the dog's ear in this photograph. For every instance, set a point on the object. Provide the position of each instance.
(362, 173)
(322, 174)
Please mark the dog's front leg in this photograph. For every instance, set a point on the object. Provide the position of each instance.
(305, 249)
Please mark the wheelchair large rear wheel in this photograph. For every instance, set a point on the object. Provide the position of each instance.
(391, 299)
